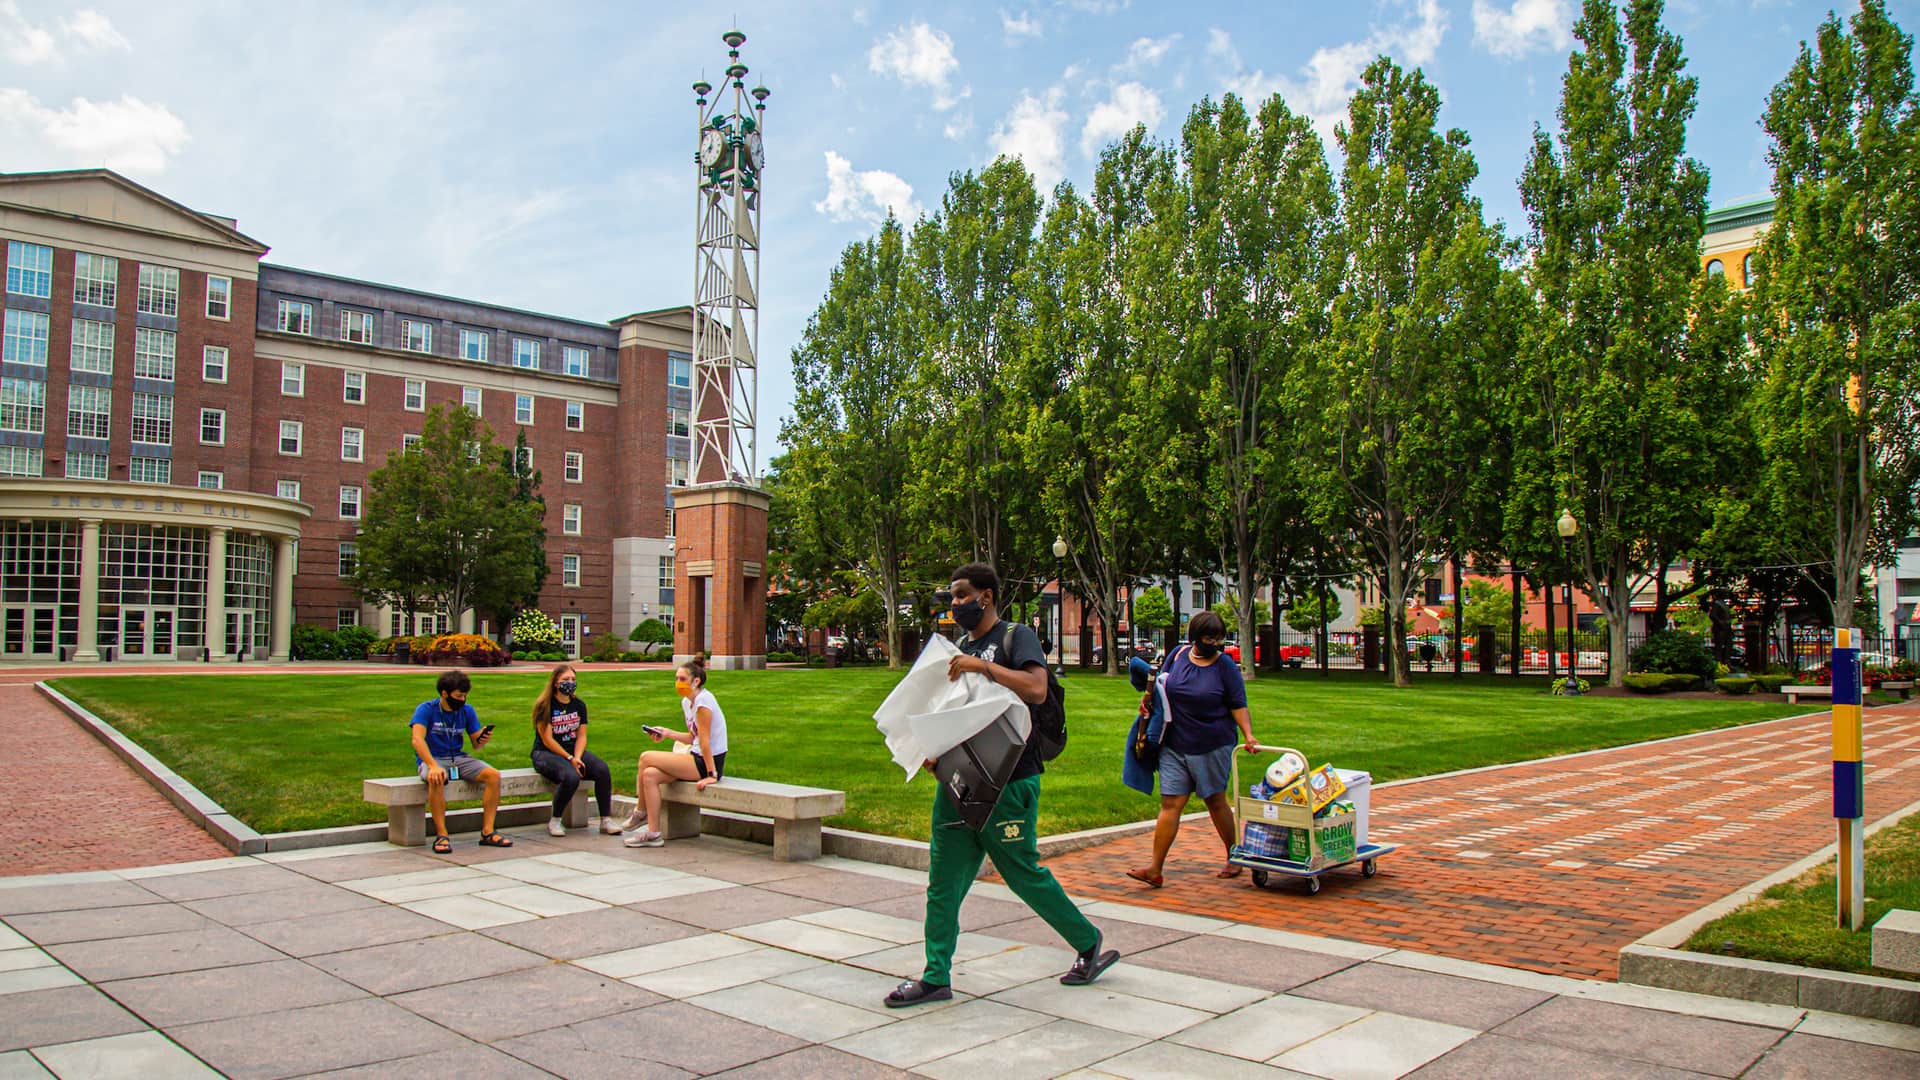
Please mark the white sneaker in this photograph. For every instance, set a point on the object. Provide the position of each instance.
(634, 820)
(555, 828)
(645, 839)
(609, 826)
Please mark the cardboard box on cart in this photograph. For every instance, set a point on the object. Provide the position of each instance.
(1359, 786)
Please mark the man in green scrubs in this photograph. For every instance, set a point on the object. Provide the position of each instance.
(1008, 654)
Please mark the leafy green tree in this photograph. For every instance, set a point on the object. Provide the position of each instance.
(1838, 293)
(1627, 371)
(493, 590)
(1393, 407)
(1488, 606)
(1152, 610)
(1306, 615)
(452, 507)
(651, 632)
(1229, 611)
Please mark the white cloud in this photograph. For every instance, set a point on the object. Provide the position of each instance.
(1220, 47)
(919, 55)
(958, 126)
(1327, 80)
(1523, 26)
(21, 41)
(865, 196)
(1097, 7)
(1147, 52)
(1035, 132)
(1130, 104)
(129, 135)
(1023, 25)
(95, 31)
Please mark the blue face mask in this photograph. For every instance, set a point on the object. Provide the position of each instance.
(565, 686)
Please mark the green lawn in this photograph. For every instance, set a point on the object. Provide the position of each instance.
(1793, 922)
(288, 751)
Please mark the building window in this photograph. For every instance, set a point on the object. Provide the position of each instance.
(345, 617)
(575, 465)
(349, 503)
(92, 347)
(570, 519)
(213, 364)
(290, 434)
(82, 465)
(23, 405)
(296, 317)
(30, 269)
(576, 360)
(1716, 268)
(212, 481)
(213, 427)
(1746, 271)
(576, 416)
(677, 422)
(349, 557)
(150, 470)
(473, 346)
(19, 461)
(153, 418)
(288, 489)
(526, 354)
(415, 399)
(219, 297)
(353, 388)
(677, 472)
(408, 442)
(357, 327)
(416, 336)
(159, 291)
(665, 579)
(153, 354)
(293, 379)
(669, 521)
(569, 570)
(96, 279)
(523, 408)
(679, 369)
(470, 399)
(89, 412)
(523, 460)
(352, 443)
(25, 340)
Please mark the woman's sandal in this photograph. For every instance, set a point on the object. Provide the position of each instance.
(1230, 871)
(494, 839)
(442, 845)
(1147, 878)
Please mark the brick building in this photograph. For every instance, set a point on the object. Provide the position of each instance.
(186, 432)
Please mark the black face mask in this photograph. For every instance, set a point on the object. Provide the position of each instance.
(969, 614)
(1205, 650)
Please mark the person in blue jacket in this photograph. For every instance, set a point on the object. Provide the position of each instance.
(1153, 715)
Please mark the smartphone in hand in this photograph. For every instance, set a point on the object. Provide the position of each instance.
(485, 734)
(653, 731)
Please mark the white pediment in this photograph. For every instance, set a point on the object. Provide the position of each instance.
(105, 197)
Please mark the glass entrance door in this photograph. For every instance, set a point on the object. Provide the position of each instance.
(146, 633)
(239, 633)
(30, 632)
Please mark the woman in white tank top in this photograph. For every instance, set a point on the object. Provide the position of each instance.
(705, 737)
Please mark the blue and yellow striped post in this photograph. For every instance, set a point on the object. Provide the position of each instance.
(1849, 779)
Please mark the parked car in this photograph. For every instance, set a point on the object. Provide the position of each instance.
(1291, 655)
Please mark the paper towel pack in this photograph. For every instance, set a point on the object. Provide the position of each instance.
(928, 714)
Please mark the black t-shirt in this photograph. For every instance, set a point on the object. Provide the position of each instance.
(1025, 653)
(568, 719)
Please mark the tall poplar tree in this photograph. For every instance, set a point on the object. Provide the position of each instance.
(1838, 296)
(1394, 410)
(1626, 365)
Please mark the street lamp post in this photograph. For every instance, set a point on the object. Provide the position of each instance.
(1059, 605)
(1569, 528)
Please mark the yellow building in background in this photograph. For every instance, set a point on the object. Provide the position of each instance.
(1733, 231)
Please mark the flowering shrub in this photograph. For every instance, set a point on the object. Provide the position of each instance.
(469, 649)
(533, 630)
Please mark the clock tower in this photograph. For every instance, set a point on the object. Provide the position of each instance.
(720, 546)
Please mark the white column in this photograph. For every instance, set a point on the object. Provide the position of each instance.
(87, 645)
(282, 647)
(217, 593)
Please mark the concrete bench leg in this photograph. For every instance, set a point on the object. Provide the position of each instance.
(796, 841)
(407, 825)
(683, 820)
(575, 815)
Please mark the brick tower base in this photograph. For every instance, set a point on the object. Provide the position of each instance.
(719, 576)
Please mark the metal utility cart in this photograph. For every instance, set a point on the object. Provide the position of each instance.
(1264, 864)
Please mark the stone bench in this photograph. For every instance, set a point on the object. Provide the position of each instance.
(1896, 941)
(796, 811)
(405, 798)
(1903, 687)
(1795, 693)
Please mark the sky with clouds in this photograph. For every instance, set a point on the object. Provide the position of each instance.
(540, 155)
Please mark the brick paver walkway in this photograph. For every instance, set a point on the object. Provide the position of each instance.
(72, 805)
(1551, 866)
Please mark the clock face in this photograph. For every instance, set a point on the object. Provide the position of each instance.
(757, 151)
(712, 144)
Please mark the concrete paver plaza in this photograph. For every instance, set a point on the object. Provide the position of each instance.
(579, 957)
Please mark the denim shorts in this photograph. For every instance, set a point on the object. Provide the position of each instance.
(1205, 775)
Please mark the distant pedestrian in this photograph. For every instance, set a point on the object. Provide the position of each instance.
(560, 750)
(1207, 698)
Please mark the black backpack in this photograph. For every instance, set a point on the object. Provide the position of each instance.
(1049, 716)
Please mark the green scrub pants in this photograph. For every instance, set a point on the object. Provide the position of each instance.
(1008, 839)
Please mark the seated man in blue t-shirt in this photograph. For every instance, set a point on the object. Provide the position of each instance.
(440, 729)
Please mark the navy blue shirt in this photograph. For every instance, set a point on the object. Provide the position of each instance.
(993, 647)
(1203, 700)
